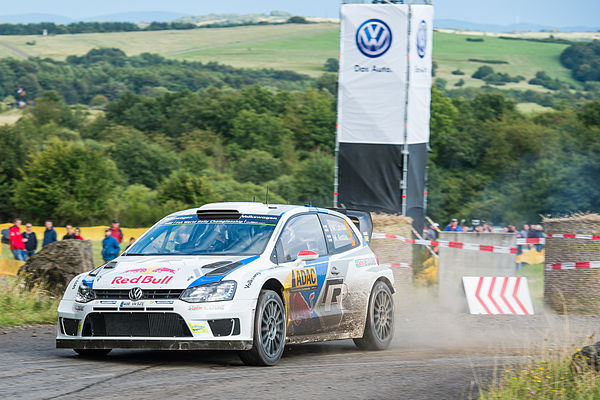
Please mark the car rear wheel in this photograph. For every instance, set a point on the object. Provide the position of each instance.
(269, 331)
(379, 329)
(92, 353)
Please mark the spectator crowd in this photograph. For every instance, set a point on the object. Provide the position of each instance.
(527, 232)
(24, 244)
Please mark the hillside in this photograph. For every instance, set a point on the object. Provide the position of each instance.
(302, 48)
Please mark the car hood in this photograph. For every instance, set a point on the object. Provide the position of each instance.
(165, 272)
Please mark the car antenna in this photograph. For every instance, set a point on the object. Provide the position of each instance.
(267, 194)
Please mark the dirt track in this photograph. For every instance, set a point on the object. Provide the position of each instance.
(436, 355)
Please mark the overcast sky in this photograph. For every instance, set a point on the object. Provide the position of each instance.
(502, 12)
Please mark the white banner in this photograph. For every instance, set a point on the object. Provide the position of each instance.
(373, 65)
(419, 92)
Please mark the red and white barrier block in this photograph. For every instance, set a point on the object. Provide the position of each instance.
(498, 295)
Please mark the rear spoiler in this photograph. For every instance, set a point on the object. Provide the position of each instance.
(362, 220)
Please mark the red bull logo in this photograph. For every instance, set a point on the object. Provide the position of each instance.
(119, 280)
(300, 310)
(150, 270)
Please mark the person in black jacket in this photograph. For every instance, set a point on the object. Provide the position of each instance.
(30, 241)
(70, 234)
(49, 234)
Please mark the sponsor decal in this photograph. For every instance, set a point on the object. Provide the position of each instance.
(249, 283)
(304, 279)
(131, 304)
(198, 327)
(75, 283)
(105, 302)
(150, 270)
(244, 219)
(333, 293)
(78, 307)
(300, 309)
(365, 262)
(373, 38)
(422, 39)
(119, 280)
(207, 307)
(161, 302)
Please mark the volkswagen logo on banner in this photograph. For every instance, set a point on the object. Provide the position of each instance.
(422, 39)
(136, 293)
(373, 38)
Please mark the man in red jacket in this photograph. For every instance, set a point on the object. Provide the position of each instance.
(16, 241)
(116, 232)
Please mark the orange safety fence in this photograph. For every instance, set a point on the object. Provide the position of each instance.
(9, 267)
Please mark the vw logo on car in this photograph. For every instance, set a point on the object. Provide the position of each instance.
(422, 39)
(373, 38)
(135, 293)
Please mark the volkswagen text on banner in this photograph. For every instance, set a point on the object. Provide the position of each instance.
(383, 103)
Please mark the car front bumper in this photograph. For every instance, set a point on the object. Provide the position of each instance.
(153, 344)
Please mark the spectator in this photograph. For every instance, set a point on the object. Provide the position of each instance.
(78, 234)
(525, 232)
(116, 231)
(479, 229)
(49, 234)
(131, 241)
(110, 246)
(16, 241)
(488, 227)
(70, 234)
(539, 234)
(512, 228)
(453, 226)
(30, 241)
(505, 229)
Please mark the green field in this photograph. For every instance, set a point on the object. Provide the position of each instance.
(302, 48)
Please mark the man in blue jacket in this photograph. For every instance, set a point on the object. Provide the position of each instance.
(49, 234)
(110, 246)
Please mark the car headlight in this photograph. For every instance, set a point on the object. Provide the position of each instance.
(220, 291)
(85, 294)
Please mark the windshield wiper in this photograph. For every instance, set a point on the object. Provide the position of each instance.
(135, 254)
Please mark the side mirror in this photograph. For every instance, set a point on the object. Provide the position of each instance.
(307, 255)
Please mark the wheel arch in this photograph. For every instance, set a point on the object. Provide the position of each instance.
(385, 280)
(276, 286)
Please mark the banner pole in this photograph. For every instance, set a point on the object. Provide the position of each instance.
(404, 183)
(338, 124)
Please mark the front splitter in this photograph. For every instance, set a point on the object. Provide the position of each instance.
(160, 344)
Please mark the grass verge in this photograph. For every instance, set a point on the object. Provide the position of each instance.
(550, 378)
(21, 307)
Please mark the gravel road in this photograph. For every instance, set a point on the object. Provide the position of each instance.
(436, 355)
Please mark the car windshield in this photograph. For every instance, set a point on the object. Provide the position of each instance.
(188, 235)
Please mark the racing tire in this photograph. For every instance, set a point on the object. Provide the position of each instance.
(93, 353)
(379, 328)
(269, 331)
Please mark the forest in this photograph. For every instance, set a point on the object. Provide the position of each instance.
(138, 153)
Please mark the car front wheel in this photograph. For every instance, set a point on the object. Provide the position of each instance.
(269, 331)
(379, 329)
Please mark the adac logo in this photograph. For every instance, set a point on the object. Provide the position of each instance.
(422, 39)
(304, 279)
(373, 38)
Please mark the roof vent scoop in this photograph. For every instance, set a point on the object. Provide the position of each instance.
(218, 214)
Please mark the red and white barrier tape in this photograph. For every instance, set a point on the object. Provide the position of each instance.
(573, 236)
(573, 265)
(449, 244)
(396, 265)
(531, 241)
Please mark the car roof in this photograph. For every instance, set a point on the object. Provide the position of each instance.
(253, 208)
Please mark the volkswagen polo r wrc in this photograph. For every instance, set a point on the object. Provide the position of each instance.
(235, 276)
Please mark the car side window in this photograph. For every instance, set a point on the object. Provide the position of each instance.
(303, 232)
(339, 234)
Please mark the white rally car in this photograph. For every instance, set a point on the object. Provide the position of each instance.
(235, 276)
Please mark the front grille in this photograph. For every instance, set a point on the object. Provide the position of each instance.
(69, 326)
(130, 324)
(150, 294)
(225, 327)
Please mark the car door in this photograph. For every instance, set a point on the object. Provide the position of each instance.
(303, 287)
(344, 247)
